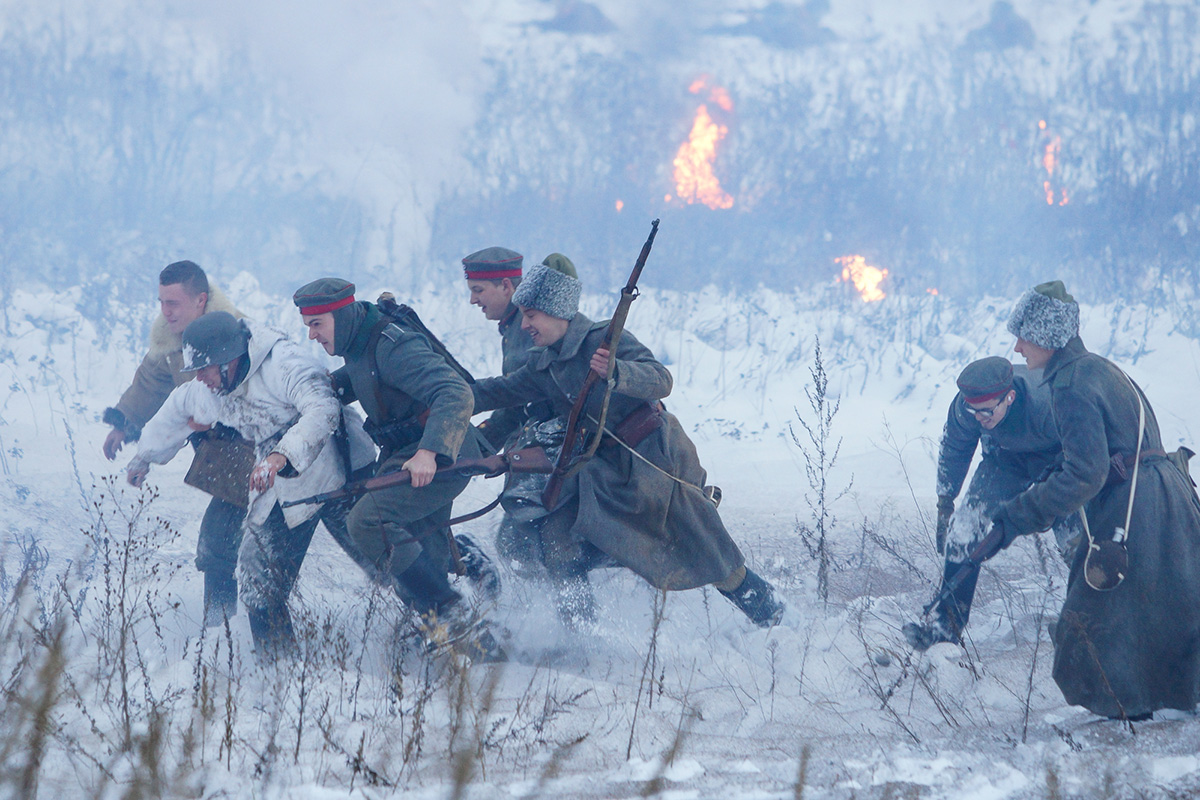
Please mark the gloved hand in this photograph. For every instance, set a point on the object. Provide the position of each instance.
(945, 508)
(1000, 535)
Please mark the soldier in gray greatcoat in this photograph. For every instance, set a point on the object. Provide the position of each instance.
(419, 413)
(640, 501)
(1005, 412)
(185, 294)
(493, 275)
(1127, 641)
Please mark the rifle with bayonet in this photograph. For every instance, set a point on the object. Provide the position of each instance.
(566, 465)
(529, 460)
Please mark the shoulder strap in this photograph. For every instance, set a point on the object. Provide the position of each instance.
(372, 344)
(408, 320)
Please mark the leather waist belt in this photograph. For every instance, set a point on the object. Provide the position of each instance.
(397, 434)
(1121, 463)
(640, 423)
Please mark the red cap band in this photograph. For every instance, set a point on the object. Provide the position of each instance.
(983, 398)
(336, 304)
(492, 274)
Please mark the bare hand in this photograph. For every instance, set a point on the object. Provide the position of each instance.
(422, 467)
(113, 443)
(196, 426)
(600, 362)
(136, 474)
(262, 477)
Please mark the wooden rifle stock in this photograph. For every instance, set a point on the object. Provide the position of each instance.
(612, 337)
(987, 547)
(530, 459)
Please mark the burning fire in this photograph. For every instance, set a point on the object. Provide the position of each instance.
(695, 181)
(865, 277)
(619, 205)
(1050, 163)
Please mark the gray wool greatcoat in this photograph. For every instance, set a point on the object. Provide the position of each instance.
(397, 376)
(1135, 649)
(663, 529)
(515, 345)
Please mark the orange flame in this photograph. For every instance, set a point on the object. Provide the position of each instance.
(865, 277)
(695, 181)
(931, 290)
(1050, 164)
(620, 204)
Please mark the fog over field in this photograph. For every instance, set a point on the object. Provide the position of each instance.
(876, 179)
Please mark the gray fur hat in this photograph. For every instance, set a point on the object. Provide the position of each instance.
(549, 291)
(1046, 316)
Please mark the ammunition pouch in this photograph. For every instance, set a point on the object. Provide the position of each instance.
(1120, 465)
(396, 434)
(640, 423)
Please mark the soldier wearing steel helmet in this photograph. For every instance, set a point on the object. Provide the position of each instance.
(255, 380)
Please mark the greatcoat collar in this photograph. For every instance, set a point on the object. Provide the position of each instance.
(1071, 352)
(510, 317)
(565, 348)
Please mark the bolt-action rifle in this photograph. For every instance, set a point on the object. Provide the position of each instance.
(531, 460)
(987, 547)
(566, 465)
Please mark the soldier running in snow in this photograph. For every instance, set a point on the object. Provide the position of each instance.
(419, 413)
(640, 501)
(1004, 411)
(493, 275)
(185, 294)
(254, 379)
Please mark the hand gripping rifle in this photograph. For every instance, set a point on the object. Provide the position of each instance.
(565, 466)
(531, 459)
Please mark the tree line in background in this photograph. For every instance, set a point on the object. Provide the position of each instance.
(956, 165)
(119, 150)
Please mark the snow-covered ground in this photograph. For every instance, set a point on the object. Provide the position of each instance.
(680, 699)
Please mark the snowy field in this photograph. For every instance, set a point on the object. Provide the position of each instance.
(113, 689)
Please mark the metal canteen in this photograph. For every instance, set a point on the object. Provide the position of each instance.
(1106, 564)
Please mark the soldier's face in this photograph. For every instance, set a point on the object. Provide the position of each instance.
(213, 376)
(542, 328)
(492, 297)
(1035, 357)
(179, 308)
(320, 329)
(989, 415)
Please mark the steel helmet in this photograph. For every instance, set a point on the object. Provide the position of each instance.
(213, 339)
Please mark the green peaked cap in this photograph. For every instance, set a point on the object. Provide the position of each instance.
(1055, 290)
(560, 263)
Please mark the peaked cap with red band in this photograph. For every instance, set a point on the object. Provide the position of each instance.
(985, 379)
(493, 263)
(323, 295)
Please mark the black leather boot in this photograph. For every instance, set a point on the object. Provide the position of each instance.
(272, 632)
(757, 600)
(220, 598)
(480, 570)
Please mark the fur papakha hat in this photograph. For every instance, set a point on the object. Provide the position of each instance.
(549, 291)
(1046, 316)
